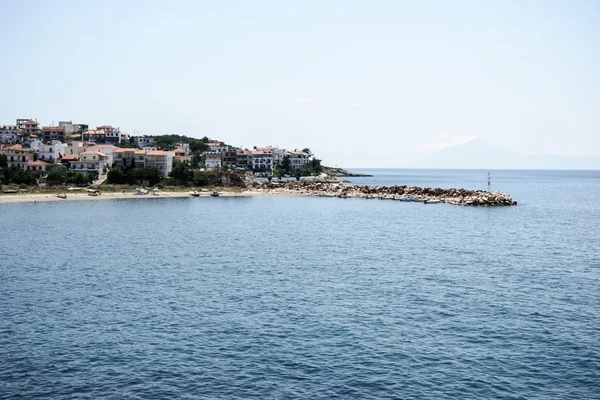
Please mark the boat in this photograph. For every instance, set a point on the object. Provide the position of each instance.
(434, 201)
(93, 192)
(61, 196)
(343, 196)
(214, 193)
(141, 191)
(407, 198)
(369, 196)
(73, 188)
(195, 193)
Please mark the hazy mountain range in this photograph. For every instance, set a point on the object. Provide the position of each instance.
(479, 154)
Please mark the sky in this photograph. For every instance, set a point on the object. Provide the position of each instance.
(361, 83)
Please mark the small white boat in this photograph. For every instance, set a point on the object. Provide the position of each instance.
(73, 188)
(195, 193)
(141, 191)
(434, 201)
(215, 193)
(61, 196)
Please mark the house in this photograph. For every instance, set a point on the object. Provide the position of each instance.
(298, 159)
(9, 134)
(16, 155)
(124, 157)
(75, 147)
(50, 133)
(212, 159)
(94, 136)
(90, 162)
(32, 143)
(30, 127)
(160, 159)
(229, 157)
(107, 149)
(36, 166)
(51, 151)
(67, 159)
(179, 154)
(244, 159)
(111, 135)
(143, 141)
(262, 161)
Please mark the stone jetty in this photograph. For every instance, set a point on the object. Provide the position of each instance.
(461, 197)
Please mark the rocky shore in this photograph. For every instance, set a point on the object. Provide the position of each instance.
(340, 172)
(461, 197)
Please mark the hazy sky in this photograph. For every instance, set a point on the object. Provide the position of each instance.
(362, 83)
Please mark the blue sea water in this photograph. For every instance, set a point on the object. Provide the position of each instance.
(302, 297)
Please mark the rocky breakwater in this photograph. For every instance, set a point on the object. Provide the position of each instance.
(461, 197)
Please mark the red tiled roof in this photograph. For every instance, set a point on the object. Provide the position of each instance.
(125, 150)
(70, 157)
(53, 128)
(95, 153)
(37, 163)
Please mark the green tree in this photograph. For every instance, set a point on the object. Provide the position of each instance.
(116, 176)
(182, 172)
(57, 173)
(306, 150)
(286, 164)
(80, 179)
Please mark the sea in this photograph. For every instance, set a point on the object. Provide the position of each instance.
(283, 297)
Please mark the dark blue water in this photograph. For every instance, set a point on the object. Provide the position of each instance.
(301, 297)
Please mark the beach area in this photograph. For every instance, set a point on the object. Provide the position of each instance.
(82, 196)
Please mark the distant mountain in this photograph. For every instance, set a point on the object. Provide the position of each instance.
(479, 154)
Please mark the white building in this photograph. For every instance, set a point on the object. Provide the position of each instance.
(9, 134)
(38, 165)
(107, 149)
(143, 141)
(75, 147)
(16, 155)
(212, 159)
(32, 144)
(111, 135)
(52, 151)
(262, 161)
(298, 159)
(90, 161)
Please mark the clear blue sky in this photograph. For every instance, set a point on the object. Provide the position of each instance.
(362, 83)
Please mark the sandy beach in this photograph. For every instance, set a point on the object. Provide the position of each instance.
(81, 196)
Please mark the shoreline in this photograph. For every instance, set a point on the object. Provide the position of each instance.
(50, 197)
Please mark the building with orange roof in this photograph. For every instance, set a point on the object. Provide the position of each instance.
(30, 127)
(107, 149)
(124, 157)
(111, 135)
(90, 162)
(36, 166)
(50, 133)
(298, 159)
(67, 159)
(212, 159)
(16, 155)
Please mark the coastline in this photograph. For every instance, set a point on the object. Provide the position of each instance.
(49, 197)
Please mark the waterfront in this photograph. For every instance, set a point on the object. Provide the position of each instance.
(283, 297)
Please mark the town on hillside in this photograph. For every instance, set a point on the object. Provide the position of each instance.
(71, 153)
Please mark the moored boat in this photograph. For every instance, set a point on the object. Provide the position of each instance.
(61, 196)
(214, 193)
(434, 201)
(195, 193)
